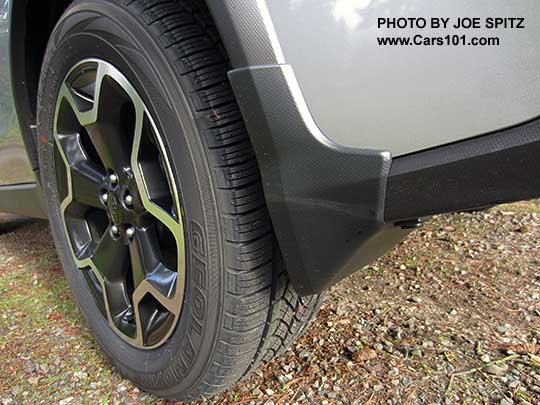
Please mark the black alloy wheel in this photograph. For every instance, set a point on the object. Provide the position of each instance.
(120, 204)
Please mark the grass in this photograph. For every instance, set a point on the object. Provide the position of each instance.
(46, 351)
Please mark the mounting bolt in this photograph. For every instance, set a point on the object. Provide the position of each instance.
(115, 230)
(104, 197)
(113, 179)
(128, 200)
(130, 232)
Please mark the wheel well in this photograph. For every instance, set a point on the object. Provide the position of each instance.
(32, 22)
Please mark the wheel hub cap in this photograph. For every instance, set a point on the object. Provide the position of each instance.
(115, 209)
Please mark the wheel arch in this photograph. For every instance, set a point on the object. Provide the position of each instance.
(31, 24)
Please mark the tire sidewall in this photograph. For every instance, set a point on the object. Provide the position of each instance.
(104, 30)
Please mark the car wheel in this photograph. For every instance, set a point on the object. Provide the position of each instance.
(155, 200)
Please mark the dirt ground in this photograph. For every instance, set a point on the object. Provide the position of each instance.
(450, 316)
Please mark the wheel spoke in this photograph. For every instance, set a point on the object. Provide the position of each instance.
(150, 274)
(157, 193)
(85, 112)
(110, 148)
(156, 187)
(86, 176)
(111, 257)
(153, 322)
(112, 133)
(163, 281)
(86, 182)
(144, 252)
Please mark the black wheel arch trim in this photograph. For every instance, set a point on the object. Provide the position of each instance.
(326, 201)
(329, 222)
(247, 32)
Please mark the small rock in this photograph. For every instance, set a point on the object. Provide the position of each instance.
(496, 370)
(379, 347)
(34, 380)
(505, 401)
(340, 311)
(304, 355)
(514, 384)
(407, 381)
(269, 392)
(363, 355)
(485, 358)
(501, 329)
(352, 349)
(284, 378)
(79, 375)
(446, 342)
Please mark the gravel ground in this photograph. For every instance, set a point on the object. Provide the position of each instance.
(450, 316)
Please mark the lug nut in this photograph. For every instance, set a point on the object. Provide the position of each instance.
(104, 197)
(128, 199)
(113, 179)
(130, 232)
(115, 230)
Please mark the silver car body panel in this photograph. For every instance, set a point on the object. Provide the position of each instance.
(360, 94)
(405, 99)
(15, 167)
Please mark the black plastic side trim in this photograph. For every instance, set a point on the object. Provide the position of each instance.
(22, 199)
(326, 201)
(488, 170)
(244, 32)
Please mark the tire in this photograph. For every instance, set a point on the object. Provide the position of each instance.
(239, 308)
